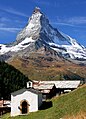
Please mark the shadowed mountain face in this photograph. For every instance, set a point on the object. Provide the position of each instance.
(41, 51)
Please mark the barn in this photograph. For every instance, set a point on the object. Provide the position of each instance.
(48, 90)
(63, 86)
(24, 101)
(54, 87)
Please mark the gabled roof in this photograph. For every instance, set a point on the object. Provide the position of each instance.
(25, 89)
(44, 86)
(63, 84)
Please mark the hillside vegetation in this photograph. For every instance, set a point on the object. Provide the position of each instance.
(11, 80)
(66, 106)
(43, 67)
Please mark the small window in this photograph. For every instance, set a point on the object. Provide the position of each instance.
(29, 83)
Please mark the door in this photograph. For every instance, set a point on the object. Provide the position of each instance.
(24, 107)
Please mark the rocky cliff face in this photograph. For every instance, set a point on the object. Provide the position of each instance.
(38, 34)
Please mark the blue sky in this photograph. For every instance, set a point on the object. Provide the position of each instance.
(69, 16)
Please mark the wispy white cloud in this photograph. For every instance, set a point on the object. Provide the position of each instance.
(41, 2)
(72, 21)
(4, 19)
(10, 29)
(13, 11)
(45, 3)
(2, 24)
(10, 24)
(80, 2)
(76, 20)
(62, 24)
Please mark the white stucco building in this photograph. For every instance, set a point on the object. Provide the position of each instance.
(24, 101)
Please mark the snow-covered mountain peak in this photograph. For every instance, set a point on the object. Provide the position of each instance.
(35, 16)
(33, 27)
(37, 10)
(39, 33)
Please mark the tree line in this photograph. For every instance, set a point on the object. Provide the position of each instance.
(11, 80)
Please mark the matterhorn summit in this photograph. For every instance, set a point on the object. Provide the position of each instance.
(39, 33)
(33, 27)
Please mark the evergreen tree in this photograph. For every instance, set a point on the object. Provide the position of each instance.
(10, 80)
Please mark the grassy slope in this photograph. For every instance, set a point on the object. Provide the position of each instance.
(41, 68)
(71, 105)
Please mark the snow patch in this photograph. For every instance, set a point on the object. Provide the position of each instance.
(16, 48)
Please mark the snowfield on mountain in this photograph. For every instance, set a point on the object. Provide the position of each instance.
(39, 33)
